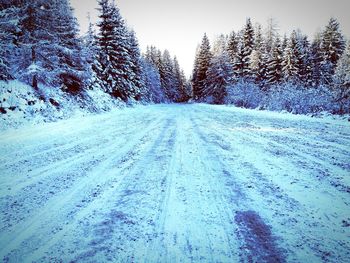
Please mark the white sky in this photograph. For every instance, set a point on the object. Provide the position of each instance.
(178, 25)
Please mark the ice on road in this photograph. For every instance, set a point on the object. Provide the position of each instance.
(177, 183)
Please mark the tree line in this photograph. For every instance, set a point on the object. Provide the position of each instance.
(40, 45)
(252, 68)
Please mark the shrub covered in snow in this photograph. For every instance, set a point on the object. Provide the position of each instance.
(299, 100)
(286, 97)
(244, 94)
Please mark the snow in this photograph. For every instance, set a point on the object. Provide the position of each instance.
(26, 106)
(177, 183)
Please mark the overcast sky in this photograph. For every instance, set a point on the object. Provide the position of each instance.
(178, 25)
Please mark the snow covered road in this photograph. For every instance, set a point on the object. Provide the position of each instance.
(177, 183)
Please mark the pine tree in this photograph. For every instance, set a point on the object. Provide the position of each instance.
(305, 68)
(245, 48)
(136, 71)
(36, 59)
(68, 48)
(180, 82)
(203, 62)
(121, 59)
(114, 61)
(248, 45)
(316, 60)
(258, 59)
(90, 51)
(48, 48)
(219, 73)
(9, 33)
(271, 35)
(232, 47)
(152, 86)
(332, 47)
(194, 78)
(291, 60)
(274, 64)
(342, 81)
(169, 80)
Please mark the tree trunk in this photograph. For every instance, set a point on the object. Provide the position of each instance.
(35, 78)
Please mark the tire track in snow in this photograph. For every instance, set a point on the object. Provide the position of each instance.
(119, 229)
(22, 231)
(53, 182)
(187, 188)
(307, 222)
(238, 194)
(92, 139)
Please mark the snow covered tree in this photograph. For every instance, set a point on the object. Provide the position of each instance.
(258, 58)
(90, 52)
(49, 50)
(151, 78)
(271, 35)
(114, 67)
(305, 67)
(136, 71)
(201, 68)
(342, 81)
(172, 78)
(245, 48)
(9, 33)
(274, 64)
(69, 66)
(232, 47)
(291, 60)
(219, 73)
(168, 78)
(332, 46)
(35, 60)
(316, 60)
(180, 83)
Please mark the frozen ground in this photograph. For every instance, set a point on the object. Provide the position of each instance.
(177, 183)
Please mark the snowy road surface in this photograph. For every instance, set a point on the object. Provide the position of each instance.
(177, 183)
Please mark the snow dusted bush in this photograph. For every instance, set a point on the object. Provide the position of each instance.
(299, 99)
(286, 97)
(244, 94)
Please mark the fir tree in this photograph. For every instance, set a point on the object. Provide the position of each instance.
(291, 60)
(305, 68)
(258, 59)
(332, 47)
(68, 48)
(245, 48)
(168, 77)
(316, 60)
(232, 47)
(180, 82)
(219, 73)
(342, 81)
(90, 51)
(136, 71)
(203, 62)
(248, 45)
(36, 60)
(114, 67)
(9, 33)
(274, 64)
(151, 79)
(49, 50)
(271, 35)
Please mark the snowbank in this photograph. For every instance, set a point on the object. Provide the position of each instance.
(20, 104)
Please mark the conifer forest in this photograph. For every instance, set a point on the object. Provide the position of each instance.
(111, 152)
